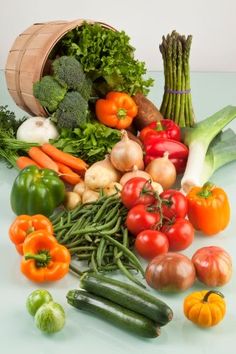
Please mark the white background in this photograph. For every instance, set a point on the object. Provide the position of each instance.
(211, 22)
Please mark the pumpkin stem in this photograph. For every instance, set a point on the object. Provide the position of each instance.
(206, 296)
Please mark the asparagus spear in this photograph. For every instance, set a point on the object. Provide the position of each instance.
(177, 103)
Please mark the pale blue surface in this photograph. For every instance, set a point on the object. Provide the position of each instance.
(84, 333)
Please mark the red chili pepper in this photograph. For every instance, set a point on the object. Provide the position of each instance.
(156, 147)
(165, 128)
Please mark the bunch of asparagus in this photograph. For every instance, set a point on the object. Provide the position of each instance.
(177, 99)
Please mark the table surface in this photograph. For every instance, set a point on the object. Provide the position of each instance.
(84, 333)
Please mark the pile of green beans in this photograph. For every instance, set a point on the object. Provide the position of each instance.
(95, 232)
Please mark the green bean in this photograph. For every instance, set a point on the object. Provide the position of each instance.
(100, 251)
(57, 217)
(125, 238)
(84, 256)
(77, 225)
(74, 212)
(126, 251)
(103, 208)
(82, 248)
(96, 228)
(79, 242)
(60, 235)
(127, 273)
(118, 255)
(75, 270)
(112, 231)
(62, 226)
(93, 263)
(88, 238)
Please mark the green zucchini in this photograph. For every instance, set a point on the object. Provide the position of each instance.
(128, 296)
(113, 313)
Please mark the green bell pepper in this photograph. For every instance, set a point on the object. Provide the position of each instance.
(36, 191)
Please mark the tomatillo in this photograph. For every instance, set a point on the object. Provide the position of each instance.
(36, 299)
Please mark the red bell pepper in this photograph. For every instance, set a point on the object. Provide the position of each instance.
(165, 128)
(156, 147)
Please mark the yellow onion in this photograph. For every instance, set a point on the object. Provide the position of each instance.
(134, 173)
(162, 171)
(126, 154)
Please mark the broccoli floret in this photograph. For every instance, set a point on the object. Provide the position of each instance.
(69, 73)
(86, 89)
(72, 112)
(49, 93)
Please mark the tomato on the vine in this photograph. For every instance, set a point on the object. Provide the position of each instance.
(142, 217)
(151, 243)
(180, 234)
(137, 190)
(174, 204)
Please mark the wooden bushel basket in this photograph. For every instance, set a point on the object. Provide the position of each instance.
(28, 57)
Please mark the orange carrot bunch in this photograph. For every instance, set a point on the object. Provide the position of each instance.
(69, 167)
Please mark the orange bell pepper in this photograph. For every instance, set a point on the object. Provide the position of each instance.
(44, 258)
(117, 110)
(208, 209)
(23, 225)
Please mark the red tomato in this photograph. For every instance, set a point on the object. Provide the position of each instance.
(213, 265)
(151, 243)
(141, 217)
(180, 234)
(137, 191)
(174, 205)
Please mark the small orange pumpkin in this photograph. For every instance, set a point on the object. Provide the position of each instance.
(205, 308)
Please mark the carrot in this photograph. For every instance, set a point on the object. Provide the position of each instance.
(42, 159)
(67, 174)
(67, 159)
(24, 161)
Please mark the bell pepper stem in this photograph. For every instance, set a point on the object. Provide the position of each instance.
(206, 190)
(121, 113)
(206, 296)
(42, 259)
(159, 127)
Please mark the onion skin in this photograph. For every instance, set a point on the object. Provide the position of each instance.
(170, 272)
(37, 130)
(135, 173)
(162, 171)
(213, 266)
(126, 154)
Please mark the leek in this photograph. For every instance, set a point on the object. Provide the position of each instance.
(221, 151)
(198, 140)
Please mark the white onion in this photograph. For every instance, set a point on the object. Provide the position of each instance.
(37, 130)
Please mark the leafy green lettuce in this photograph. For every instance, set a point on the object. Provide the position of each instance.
(91, 142)
(107, 57)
